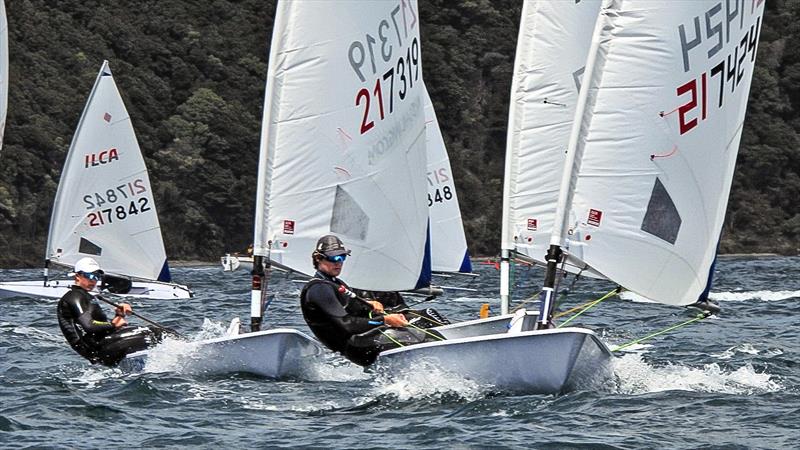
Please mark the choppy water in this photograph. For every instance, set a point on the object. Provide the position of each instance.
(730, 381)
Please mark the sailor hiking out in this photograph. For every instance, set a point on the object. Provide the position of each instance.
(356, 327)
(87, 328)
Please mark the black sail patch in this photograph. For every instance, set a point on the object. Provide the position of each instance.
(89, 248)
(661, 219)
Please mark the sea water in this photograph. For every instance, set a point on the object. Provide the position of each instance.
(729, 381)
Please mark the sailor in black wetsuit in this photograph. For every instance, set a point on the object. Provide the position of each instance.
(354, 327)
(87, 328)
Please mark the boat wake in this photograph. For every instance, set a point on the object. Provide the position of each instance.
(747, 349)
(635, 376)
(766, 296)
(333, 367)
(429, 382)
(176, 355)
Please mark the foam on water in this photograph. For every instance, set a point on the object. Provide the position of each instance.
(171, 355)
(332, 367)
(747, 349)
(635, 376)
(176, 355)
(91, 377)
(428, 381)
(766, 296)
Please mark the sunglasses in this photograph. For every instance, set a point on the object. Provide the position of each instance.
(336, 259)
(91, 276)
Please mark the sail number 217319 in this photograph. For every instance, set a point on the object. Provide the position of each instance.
(396, 71)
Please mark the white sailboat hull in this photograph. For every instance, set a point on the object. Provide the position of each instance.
(231, 263)
(57, 288)
(277, 353)
(532, 362)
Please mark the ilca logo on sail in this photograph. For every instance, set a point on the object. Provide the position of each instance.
(101, 157)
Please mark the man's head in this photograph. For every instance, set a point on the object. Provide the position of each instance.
(329, 254)
(87, 273)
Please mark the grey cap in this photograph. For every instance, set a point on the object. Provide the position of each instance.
(330, 245)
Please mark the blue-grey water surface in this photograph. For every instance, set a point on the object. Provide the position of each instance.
(730, 381)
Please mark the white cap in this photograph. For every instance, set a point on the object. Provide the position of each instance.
(87, 265)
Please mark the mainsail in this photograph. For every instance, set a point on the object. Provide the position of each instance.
(552, 46)
(343, 141)
(448, 244)
(553, 43)
(656, 140)
(104, 204)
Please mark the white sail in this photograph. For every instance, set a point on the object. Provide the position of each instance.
(343, 140)
(3, 70)
(656, 145)
(104, 204)
(552, 47)
(448, 244)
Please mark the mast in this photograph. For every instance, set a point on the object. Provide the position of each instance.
(261, 242)
(568, 180)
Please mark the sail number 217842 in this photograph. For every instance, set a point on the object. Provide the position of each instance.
(123, 201)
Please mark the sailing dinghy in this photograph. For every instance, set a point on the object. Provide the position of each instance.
(351, 163)
(644, 186)
(104, 208)
(233, 262)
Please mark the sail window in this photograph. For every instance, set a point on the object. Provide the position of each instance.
(348, 218)
(661, 219)
(89, 248)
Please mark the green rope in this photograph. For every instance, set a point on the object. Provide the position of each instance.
(416, 327)
(587, 307)
(399, 344)
(430, 319)
(427, 332)
(700, 316)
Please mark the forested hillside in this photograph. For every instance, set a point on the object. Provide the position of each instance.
(192, 75)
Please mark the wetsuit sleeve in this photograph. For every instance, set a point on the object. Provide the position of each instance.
(323, 297)
(92, 319)
(95, 321)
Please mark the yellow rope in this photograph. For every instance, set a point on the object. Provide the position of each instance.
(528, 300)
(571, 310)
(585, 307)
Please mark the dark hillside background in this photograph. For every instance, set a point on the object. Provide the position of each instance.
(192, 75)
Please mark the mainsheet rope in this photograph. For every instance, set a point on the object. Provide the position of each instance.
(698, 317)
